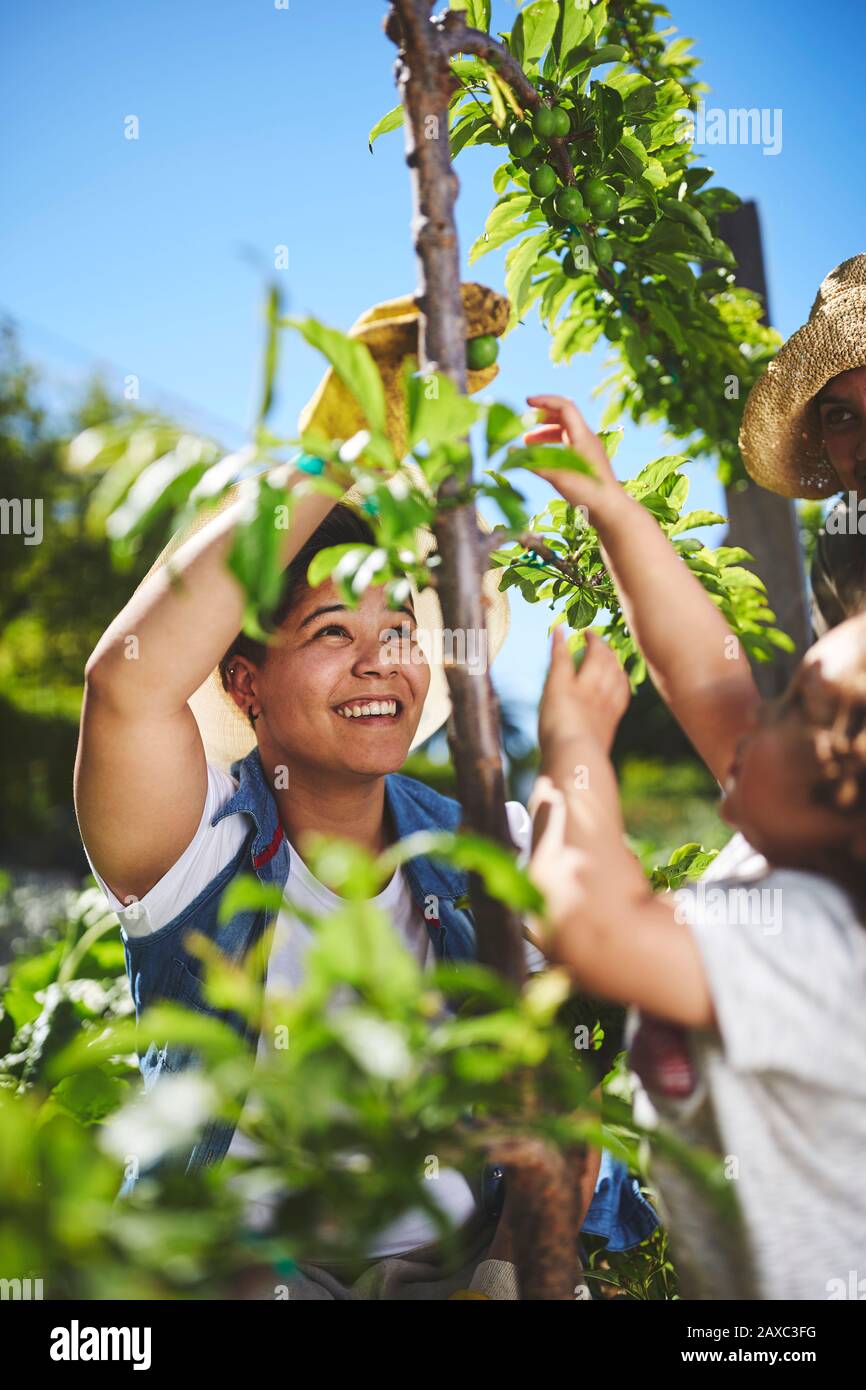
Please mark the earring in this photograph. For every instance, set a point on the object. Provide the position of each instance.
(253, 717)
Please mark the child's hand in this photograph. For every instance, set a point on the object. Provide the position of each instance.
(591, 700)
(556, 867)
(564, 424)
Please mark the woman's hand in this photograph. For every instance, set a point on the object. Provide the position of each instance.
(564, 424)
(575, 703)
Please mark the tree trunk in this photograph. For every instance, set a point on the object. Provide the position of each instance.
(540, 1179)
(425, 81)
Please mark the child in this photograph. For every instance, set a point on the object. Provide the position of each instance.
(750, 1039)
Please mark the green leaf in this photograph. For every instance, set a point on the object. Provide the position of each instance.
(497, 101)
(255, 551)
(608, 53)
(477, 12)
(631, 155)
(325, 561)
(352, 361)
(677, 271)
(503, 425)
(547, 457)
(438, 412)
(637, 91)
(665, 319)
(573, 29)
(496, 865)
(504, 221)
(683, 212)
(470, 130)
(650, 478)
(521, 262)
(392, 121)
(609, 117)
(90, 1095)
(697, 518)
(534, 30)
(581, 611)
(272, 311)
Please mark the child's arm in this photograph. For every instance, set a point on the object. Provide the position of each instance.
(698, 668)
(603, 922)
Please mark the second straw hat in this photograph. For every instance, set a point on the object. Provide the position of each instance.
(780, 436)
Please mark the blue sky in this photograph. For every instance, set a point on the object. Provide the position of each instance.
(253, 126)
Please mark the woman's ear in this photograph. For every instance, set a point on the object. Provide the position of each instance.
(240, 679)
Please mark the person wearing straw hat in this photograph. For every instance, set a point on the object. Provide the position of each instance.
(803, 434)
(207, 756)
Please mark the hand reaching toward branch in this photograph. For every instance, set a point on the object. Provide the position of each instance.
(564, 424)
(577, 822)
(694, 660)
(590, 700)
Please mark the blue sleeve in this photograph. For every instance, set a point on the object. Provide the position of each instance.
(618, 1212)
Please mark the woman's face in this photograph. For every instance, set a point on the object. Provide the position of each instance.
(842, 411)
(331, 661)
(769, 791)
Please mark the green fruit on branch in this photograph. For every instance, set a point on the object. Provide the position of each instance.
(548, 207)
(533, 159)
(545, 123)
(570, 268)
(602, 199)
(604, 250)
(563, 121)
(542, 181)
(570, 205)
(521, 140)
(482, 352)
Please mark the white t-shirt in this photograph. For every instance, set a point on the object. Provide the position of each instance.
(780, 1089)
(214, 846)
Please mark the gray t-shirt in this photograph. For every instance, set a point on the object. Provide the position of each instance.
(779, 1092)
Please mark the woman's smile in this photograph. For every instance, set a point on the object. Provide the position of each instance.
(371, 711)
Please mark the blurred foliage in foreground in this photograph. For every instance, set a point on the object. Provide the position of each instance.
(346, 1111)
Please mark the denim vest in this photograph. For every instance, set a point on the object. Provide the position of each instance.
(160, 968)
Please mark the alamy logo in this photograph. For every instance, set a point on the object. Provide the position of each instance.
(736, 907)
(25, 1289)
(22, 516)
(76, 1343)
(848, 520)
(735, 125)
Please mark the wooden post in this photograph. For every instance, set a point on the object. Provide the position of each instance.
(762, 522)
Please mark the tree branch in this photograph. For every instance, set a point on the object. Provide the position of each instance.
(459, 38)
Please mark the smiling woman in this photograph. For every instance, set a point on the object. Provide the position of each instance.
(316, 725)
(212, 755)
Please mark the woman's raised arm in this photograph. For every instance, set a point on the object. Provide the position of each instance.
(140, 772)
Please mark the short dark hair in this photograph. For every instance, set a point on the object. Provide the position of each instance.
(342, 526)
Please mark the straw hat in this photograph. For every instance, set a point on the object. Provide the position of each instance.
(333, 413)
(780, 435)
(390, 331)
